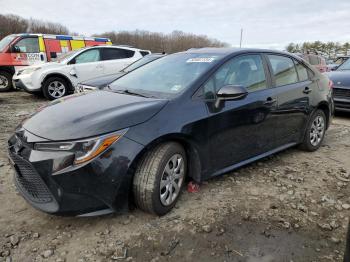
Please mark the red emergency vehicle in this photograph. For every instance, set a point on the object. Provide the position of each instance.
(20, 50)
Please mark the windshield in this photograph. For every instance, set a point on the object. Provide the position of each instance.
(6, 41)
(66, 56)
(344, 66)
(168, 76)
(140, 62)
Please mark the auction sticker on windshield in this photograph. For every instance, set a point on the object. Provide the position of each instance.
(201, 60)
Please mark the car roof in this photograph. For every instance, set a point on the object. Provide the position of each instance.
(229, 51)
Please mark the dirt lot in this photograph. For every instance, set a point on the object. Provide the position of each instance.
(293, 206)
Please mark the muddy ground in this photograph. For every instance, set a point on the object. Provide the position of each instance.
(293, 206)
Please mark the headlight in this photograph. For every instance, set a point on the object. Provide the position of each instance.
(84, 88)
(84, 150)
(28, 71)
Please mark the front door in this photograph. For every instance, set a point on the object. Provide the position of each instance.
(26, 51)
(241, 129)
(86, 65)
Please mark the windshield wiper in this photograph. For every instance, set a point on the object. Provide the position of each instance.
(128, 92)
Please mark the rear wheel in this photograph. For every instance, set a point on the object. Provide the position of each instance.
(315, 131)
(5, 81)
(159, 178)
(55, 87)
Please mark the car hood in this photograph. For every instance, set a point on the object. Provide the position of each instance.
(103, 81)
(90, 114)
(340, 78)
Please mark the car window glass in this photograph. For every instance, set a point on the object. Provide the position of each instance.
(246, 70)
(302, 71)
(89, 56)
(116, 53)
(28, 45)
(283, 70)
(313, 60)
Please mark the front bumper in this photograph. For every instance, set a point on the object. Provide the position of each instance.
(341, 99)
(103, 183)
(25, 83)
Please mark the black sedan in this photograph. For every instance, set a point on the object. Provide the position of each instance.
(341, 86)
(101, 82)
(194, 115)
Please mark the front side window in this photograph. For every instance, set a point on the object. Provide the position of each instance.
(246, 70)
(283, 70)
(27, 45)
(168, 76)
(92, 55)
(116, 53)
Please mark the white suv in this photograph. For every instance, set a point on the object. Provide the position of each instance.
(57, 79)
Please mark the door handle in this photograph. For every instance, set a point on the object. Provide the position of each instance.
(270, 101)
(307, 90)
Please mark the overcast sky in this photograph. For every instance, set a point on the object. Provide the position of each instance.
(266, 23)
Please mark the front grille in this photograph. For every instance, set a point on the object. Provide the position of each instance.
(29, 181)
(341, 93)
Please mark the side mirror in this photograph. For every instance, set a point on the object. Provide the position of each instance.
(334, 68)
(72, 62)
(16, 49)
(231, 92)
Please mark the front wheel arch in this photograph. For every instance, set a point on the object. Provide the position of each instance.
(68, 81)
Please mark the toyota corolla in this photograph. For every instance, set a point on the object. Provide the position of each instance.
(191, 115)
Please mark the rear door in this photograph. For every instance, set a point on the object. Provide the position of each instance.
(115, 59)
(242, 129)
(86, 65)
(293, 90)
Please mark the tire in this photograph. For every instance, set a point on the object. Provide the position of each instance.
(5, 81)
(55, 87)
(315, 131)
(153, 171)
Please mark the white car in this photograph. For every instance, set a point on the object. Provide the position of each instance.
(57, 79)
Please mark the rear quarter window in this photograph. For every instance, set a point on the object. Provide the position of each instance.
(116, 53)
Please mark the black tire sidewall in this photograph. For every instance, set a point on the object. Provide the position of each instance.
(9, 79)
(46, 84)
(307, 143)
(158, 207)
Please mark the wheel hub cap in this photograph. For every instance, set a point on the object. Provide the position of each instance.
(3, 82)
(57, 89)
(317, 130)
(172, 179)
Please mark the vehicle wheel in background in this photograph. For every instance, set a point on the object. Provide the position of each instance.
(315, 131)
(5, 81)
(159, 178)
(55, 87)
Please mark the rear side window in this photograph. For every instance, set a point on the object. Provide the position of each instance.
(144, 53)
(28, 45)
(89, 56)
(302, 72)
(283, 70)
(116, 53)
(314, 60)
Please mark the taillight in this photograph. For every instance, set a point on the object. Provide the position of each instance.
(330, 84)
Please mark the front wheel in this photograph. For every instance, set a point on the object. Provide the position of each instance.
(315, 131)
(159, 178)
(5, 81)
(54, 88)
